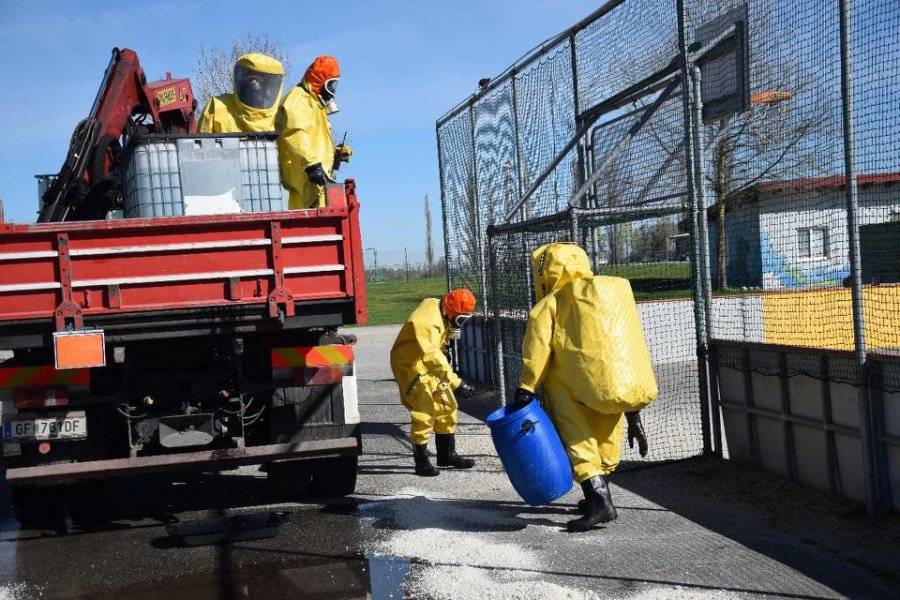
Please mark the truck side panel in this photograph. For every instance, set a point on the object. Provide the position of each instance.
(175, 263)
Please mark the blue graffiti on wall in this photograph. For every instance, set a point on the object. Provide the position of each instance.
(790, 274)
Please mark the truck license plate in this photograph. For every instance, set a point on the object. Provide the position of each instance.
(70, 427)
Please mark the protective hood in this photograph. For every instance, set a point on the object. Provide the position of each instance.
(267, 75)
(557, 264)
(322, 69)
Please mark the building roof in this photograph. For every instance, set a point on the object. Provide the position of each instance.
(833, 181)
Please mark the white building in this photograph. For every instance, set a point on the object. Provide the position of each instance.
(792, 234)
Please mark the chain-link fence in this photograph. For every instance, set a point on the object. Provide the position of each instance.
(739, 163)
(404, 264)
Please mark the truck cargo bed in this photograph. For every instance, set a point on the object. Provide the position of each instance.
(137, 277)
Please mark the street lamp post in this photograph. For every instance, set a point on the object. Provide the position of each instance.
(375, 276)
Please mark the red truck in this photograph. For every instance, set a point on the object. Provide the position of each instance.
(166, 343)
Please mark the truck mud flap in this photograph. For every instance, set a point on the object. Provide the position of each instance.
(233, 457)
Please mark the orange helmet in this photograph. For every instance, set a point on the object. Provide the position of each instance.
(321, 70)
(458, 302)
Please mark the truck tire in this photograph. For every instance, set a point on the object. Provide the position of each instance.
(335, 476)
(61, 507)
(290, 479)
(35, 508)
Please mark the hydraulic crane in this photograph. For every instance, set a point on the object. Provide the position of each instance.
(87, 186)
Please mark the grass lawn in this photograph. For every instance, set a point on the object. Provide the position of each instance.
(663, 270)
(390, 302)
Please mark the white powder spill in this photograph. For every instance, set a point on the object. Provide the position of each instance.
(681, 593)
(455, 542)
(18, 591)
(465, 583)
(438, 546)
(443, 531)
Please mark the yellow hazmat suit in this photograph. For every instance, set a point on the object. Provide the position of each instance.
(423, 373)
(228, 114)
(585, 346)
(304, 140)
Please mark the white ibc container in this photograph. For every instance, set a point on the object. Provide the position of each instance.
(151, 183)
(262, 189)
(201, 174)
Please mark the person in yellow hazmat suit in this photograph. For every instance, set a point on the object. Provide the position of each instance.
(584, 345)
(307, 154)
(258, 80)
(427, 381)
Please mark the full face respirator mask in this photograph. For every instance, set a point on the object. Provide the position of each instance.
(456, 325)
(329, 91)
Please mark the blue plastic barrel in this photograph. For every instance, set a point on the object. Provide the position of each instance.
(531, 452)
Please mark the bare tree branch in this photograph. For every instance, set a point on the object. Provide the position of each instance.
(213, 70)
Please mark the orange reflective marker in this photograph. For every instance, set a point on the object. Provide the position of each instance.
(79, 349)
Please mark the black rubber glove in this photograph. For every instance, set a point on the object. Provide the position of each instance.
(465, 390)
(521, 398)
(636, 432)
(317, 174)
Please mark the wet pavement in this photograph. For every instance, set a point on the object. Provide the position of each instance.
(684, 531)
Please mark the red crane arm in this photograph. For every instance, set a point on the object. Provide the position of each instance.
(125, 105)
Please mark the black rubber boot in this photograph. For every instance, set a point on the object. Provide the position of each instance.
(600, 508)
(583, 503)
(424, 467)
(446, 453)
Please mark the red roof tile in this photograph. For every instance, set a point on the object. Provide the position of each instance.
(837, 181)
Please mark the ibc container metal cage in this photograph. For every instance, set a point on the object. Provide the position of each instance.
(175, 175)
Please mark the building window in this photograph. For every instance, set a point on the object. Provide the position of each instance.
(813, 242)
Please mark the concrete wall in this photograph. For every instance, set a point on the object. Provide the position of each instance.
(669, 329)
(668, 326)
(806, 428)
(891, 410)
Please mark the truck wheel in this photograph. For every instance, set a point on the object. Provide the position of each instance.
(290, 479)
(87, 502)
(335, 476)
(61, 507)
(34, 508)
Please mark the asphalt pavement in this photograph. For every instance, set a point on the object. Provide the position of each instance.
(700, 528)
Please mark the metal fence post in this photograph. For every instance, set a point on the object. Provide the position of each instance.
(573, 224)
(704, 265)
(476, 201)
(859, 332)
(500, 365)
(581, 163)
(521, 176)
(575, 96)
(587, 239)
(444, 220)
(691, 170)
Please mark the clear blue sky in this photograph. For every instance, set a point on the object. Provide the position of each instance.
(404, 64)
